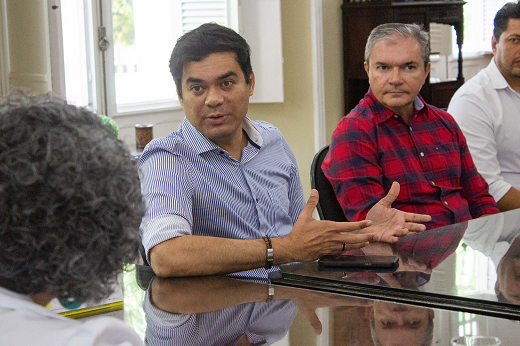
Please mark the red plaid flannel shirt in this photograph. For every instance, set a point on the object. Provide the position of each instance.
(372, 147)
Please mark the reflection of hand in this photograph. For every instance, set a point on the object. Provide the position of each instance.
(390, 223)
(308, 301)
(406, 263)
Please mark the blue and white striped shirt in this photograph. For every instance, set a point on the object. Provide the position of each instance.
(192, 186)
(263, 323)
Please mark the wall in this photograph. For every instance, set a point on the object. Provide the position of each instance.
(29, 45)
(333, 61)
(295, 116)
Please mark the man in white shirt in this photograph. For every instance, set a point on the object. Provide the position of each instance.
(487, 110)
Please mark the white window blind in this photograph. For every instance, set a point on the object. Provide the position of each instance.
(490, 9)
(197, 12)
(478, 24)
(441, 39)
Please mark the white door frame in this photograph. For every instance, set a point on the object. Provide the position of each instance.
(4, 50)
(318, 74)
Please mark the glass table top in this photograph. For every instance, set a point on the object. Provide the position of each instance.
(473, 265)
(447, 285)
(226, 311)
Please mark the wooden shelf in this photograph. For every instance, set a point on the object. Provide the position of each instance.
(359, 18)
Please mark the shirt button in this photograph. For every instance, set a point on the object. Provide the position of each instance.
(422, 154)
(410, 129)
(446, 202)
(433, 183)
(221, 152)
(395, 116)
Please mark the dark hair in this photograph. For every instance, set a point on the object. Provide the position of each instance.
(508, 11)
(209, 38)
(70, 197)
(392, 30)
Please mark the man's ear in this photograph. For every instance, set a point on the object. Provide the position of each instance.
(494, 44)
(251, 83)
(366, 68)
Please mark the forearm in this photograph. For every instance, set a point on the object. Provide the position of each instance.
(192, 255)
(510, 201)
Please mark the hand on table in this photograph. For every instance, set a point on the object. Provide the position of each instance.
(388, 223)
(311, 239)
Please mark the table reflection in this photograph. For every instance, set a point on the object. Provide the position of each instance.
(399, 324)
(214, 311)
(497, 238)
(418, 255)
(228, 311)
(451, 266)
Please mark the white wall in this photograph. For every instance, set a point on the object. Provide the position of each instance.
(29, 57)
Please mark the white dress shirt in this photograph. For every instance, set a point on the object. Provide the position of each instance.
(487, 110)
(23, 322)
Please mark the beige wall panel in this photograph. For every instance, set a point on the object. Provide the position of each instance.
(27, 24)
(333, 64)
(295, 116)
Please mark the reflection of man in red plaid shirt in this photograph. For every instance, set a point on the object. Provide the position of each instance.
(393, 135)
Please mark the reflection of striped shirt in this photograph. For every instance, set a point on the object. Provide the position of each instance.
(263, 323)
(372, 147)
(192, 186)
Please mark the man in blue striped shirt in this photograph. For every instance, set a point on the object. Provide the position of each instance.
(223, 193)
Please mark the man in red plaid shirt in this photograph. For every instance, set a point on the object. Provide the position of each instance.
(393, 135)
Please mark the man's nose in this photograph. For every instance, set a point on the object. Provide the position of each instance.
(214, 97)
(395, 75)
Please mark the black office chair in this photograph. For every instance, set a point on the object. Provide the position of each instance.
(328, 205)
(143, 254)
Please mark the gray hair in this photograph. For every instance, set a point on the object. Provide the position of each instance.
(394, 30)
(71, 200)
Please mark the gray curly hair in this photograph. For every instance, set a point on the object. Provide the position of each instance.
(70, 197)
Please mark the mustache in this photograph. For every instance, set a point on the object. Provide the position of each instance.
(395, 90)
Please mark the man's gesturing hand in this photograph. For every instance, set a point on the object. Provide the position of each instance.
(390, 223)
(310, 239)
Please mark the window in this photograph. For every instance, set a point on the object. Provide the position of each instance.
(143, 34)
(135, 37)
(478, 24)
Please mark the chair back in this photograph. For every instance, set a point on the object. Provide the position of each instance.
(328, 205)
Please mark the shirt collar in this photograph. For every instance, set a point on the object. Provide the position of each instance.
(497, 78)
(383, 114)
(201, 144)
(17, 301)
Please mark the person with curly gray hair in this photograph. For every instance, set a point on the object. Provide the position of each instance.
(71, 208)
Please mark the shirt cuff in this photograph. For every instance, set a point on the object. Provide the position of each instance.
(499, 188)
(162, 228)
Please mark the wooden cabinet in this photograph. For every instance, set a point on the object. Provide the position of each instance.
(359, 18)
